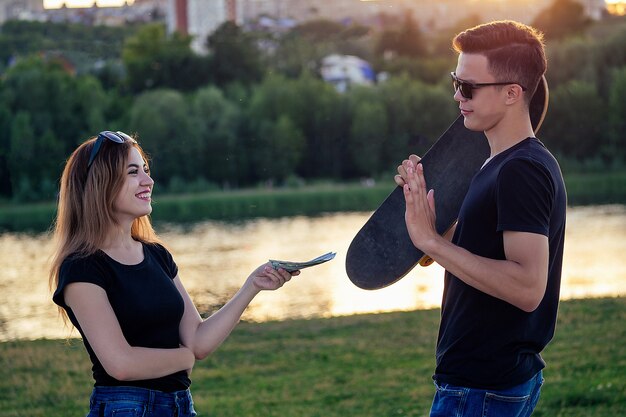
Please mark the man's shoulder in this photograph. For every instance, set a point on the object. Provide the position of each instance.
(531, 153)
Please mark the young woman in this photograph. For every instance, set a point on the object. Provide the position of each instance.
(119, 286)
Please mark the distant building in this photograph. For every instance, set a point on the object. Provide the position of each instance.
(19, 9)
(140, 11)
(431, 15)
(342, 71)
(595, 9)
(200, 18)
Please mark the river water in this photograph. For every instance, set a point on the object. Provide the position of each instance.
(215, 258)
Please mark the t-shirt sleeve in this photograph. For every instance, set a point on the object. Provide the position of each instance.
(166, 260)
(525, 192)
(77, 270)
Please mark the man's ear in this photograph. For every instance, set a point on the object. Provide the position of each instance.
(514, 93)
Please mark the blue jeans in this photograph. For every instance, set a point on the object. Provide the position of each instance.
(139, 402)
(518, 401)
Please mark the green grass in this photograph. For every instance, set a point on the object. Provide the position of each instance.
(583, 189)
(364, 365)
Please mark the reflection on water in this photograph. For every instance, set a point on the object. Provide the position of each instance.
(594, 261)
(215, 258)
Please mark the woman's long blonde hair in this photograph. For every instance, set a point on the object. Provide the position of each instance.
(85, 206)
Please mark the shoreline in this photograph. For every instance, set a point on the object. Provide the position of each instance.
(583, 190)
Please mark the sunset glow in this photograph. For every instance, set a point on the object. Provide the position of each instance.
(616, 7)
(56, 4)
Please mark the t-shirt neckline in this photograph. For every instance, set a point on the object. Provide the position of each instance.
(116, 262)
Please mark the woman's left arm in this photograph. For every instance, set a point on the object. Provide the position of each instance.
(205, 336)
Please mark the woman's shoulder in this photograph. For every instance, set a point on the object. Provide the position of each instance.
(163, 257)
(81, 260)
(79, 267)
(157, 248)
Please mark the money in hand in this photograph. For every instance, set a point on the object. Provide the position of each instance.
(290, 266)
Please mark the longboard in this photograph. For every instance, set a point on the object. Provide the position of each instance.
(381, 253)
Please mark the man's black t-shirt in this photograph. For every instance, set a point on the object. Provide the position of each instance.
(485, 342)
(146, 303)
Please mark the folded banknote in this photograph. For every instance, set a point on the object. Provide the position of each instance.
(294, 266)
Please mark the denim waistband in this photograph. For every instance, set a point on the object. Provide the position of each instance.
(151, 398)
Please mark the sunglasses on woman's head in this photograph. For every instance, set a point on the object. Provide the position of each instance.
(465, 87)
(117, 137)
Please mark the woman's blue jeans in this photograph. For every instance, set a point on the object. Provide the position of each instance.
(518, 401)
(139, 402)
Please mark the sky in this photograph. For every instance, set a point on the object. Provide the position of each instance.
(48, 4)
(53, 4)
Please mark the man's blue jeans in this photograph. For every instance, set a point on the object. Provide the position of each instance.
(518, 401)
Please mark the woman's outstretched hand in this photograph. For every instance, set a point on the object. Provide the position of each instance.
(265, 277)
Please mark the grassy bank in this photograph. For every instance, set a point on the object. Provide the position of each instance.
(596, 188)
(376, 365)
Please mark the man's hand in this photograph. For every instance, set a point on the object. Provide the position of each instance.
(420, 212)
(401, 177)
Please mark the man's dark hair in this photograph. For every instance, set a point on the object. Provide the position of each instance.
(514, 51)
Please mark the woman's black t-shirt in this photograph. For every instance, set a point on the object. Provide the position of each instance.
(146, 303)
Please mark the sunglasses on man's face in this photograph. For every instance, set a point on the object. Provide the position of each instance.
(465, 87)
(117, 137)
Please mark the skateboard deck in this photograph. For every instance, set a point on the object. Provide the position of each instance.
(381, 253)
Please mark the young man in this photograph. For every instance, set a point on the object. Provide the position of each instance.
(503, 265)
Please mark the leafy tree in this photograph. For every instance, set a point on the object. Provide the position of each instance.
(575, 125)
(52, 109)
(608, 55)
(588, 59)
(34, 161)
(561, 19)
(71, 107)
(617, 115)
(417, 115)
(167, 132)
(408, 41)
(440, 42)
(5, 145)
(279, 148)
(22, 156)
(568, 60)
(288, 144)
(319, 30)
(234, 55)
(217, 122)
(387, 42)
(40, 89)
(295, 56)
(91, 104)
(367, 137)
(430, 71)
(19, 38)
(155, 60)
(317, 111)
(48, 161)
(302, 49)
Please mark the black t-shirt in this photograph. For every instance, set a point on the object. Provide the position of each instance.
(485, 342)
(146, 303)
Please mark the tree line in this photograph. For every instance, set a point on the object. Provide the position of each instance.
(255, 110)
